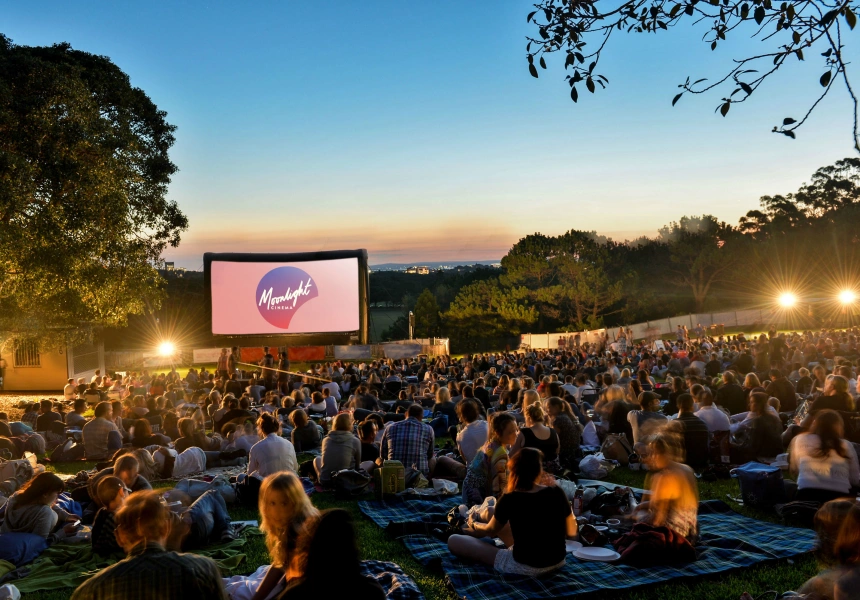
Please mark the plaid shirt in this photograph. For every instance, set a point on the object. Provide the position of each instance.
(151, 573)
(95, 434)
(409, 441)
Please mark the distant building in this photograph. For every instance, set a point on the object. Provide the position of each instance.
(418, 270)
(168, 266)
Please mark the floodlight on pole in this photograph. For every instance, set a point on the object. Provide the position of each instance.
(787, 300)
(847, 297)
(166, 349)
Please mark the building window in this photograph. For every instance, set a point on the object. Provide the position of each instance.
(27, 354)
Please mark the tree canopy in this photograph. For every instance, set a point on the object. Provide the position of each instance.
(84, 170)
(807, 241)
(792, 29)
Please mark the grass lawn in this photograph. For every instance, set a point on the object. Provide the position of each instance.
(782, 576)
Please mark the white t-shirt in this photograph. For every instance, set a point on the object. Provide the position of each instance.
(714, 418)
(829, 473)
(69, 391)
(570, 389)
(192, 460)
(471, 438)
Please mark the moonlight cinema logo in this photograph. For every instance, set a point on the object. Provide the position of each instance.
(283, 291)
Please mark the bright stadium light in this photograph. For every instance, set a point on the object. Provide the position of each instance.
(166, 349)
(787, 300)
(847, 297)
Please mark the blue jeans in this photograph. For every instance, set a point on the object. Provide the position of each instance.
(209, 519)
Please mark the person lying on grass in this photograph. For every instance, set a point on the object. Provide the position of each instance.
(203, 523)
(539, 516)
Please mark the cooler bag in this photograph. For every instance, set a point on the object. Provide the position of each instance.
(389, 479)
(761, 485)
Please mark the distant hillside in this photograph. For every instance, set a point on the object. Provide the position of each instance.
(432, 265)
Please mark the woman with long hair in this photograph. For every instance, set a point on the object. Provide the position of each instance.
(825, 465)
(536, 434)
(285, 511)
(33, 509)
(330, 563)
(539, 516)
(568, 429)
(487, 473)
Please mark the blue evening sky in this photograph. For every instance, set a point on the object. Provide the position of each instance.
(415, 130)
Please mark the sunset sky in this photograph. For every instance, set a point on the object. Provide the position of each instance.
(415, 130)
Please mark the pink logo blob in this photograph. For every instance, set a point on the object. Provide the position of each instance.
(281, 292)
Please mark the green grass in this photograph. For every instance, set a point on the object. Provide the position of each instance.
(375, 544)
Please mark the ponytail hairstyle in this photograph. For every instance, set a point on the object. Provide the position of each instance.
(525, 467)
(535, 413)
(829, 427)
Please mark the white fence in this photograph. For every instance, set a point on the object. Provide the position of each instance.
(654, 329)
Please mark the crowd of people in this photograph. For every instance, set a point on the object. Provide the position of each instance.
(519, 424)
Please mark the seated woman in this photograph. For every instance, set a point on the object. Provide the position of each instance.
(306, 436)
(317, 405)
(142, 435)
(672, 499)
(540, 519)
(340, 449)
(285, 511)
(537, 435)
(569, 431)
(487, 472)
(192, 437)
(837, 524)
(824, 464)
(445, 406)
(329, 546)
(473, 431)
(761, 438)
(33, 509)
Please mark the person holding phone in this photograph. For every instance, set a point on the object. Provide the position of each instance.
(33, 509)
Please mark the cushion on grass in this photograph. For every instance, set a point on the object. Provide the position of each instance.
(21, 548)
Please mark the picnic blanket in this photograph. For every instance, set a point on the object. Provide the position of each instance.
(727, 541)
(69, 565)
(396, 584)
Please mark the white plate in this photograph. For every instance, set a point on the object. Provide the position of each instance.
(597, 553)
(601, 527)
(572, 546)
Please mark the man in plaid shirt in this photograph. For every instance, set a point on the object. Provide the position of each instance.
(410, 441)
(149, 572)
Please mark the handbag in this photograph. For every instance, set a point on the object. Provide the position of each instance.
(616, 447)
(349, 483)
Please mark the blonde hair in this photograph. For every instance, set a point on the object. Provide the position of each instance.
(530, 397)
(300, 510)
(443, 395)
(614, 392)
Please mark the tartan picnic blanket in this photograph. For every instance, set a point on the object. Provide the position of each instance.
(727, 541)
(397, 584)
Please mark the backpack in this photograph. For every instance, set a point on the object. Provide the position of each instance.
(349, 483)
(761, 485)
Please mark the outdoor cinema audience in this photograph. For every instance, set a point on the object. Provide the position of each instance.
(518, 429)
